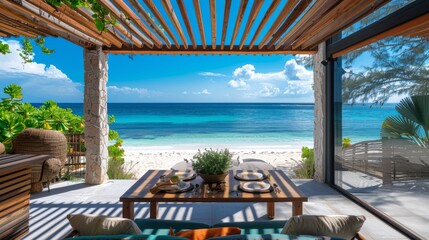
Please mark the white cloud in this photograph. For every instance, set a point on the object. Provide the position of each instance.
(202, 92)
(39, 82)
(294, 79)
(247, 73)
(128, 90)
(12, 62)
(239, 84)
(268, 90)
(185, 92)
(211, 74)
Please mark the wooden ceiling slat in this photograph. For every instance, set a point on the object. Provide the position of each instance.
(213, 22)
(256, 7)
(333, 21)
(161, 20)
(185, 17)
(126, 33)
(120, 4)
(392, 32)
(3, 34)
(16, 32)
(264, 21)
(35, 14)
(287, 8)
(241, 10)
(30, 17)
(225, 22)
(297, 11)
(200, 22)
(170, 12)
(139, 8)
(15, 17)
(200, 50)
(68, 20)
(89, 24)
(311, 17)
(125, 22)
(86, 13)
(15, 24)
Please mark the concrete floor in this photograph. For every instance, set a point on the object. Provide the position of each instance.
(48, 210)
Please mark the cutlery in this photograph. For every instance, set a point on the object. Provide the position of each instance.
(276, 188)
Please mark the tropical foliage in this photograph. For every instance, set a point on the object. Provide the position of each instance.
(213, 162)
(412, 122)
(306, 168)
(15, 116)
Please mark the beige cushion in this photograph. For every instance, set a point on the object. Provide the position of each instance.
(90, 225)
(342, 226)
(2, 148)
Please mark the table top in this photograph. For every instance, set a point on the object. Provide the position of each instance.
(140, 191)
(8, 161)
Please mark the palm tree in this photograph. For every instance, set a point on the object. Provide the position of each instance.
(413, 121)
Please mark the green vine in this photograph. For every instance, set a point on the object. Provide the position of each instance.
(100, 14)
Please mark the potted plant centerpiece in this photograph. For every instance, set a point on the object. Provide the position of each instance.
(212, 165)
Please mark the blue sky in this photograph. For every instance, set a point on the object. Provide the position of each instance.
(59, 76)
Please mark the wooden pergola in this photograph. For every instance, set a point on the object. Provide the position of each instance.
(165, 27)
(191, 27)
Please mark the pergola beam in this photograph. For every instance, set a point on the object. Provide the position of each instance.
(280, 18)
(264, 21)
(137, 21)
(240, 15)
(253, 13)
(35, 14)
(200, 22)
(225, 22)
(213, 22)
(161, 20)
(311, 17)
(188, 26)
(139, 8)
(125, 22)
(172, 15)
(200, 50)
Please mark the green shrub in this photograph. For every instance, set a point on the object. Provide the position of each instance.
(213, 162)
(306, 168)
(15, 116)
(347, 142)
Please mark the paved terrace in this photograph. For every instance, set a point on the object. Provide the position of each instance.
(48, 210)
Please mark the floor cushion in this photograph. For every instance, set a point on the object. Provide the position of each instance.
(162, 227)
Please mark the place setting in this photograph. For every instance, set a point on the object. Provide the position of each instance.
(253, 182)
(177, 183)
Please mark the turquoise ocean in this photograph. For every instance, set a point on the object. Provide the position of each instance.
(265, 125)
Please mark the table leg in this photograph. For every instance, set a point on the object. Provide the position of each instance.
(153, 209)
(296, 208)
(270, 210)
(128, 210)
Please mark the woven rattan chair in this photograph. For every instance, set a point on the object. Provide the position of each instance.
(2, 148)
(42, 142)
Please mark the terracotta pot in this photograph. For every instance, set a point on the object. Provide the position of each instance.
(208, 178)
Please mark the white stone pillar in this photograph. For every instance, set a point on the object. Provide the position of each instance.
(95, 114)
(319, 114)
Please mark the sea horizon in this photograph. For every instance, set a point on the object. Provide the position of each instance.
(237, 126)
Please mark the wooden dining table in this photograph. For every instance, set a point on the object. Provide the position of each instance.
(285, 191)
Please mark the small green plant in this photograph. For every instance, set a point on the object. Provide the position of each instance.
(212, 162)
(306, 168)
(347, 142)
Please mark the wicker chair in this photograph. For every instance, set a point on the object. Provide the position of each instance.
(2, 148)
(42, 142)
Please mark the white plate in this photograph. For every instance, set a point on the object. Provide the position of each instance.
(175, 188)
(185, 175)
(256, 186)
(250, 175)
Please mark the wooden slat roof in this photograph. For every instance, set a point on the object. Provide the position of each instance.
(170, 26)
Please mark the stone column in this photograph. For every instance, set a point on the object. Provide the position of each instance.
(319, 114)
(95, 114)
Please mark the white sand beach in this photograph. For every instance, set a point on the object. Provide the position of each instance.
(138, 160)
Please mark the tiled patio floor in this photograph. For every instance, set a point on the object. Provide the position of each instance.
(49, 209)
